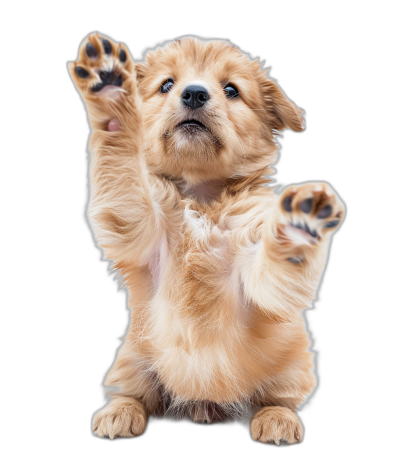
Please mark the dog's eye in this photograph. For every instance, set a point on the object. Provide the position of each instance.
(231, 91)
(167, 85)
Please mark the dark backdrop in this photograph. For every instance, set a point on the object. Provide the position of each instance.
(311, 54)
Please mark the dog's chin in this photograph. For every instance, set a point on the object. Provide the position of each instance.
(195, 143)
(195, 132)
(191, 138)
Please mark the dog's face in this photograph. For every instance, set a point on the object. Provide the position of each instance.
(210, 112)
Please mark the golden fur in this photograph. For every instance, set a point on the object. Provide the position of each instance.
(218, 273)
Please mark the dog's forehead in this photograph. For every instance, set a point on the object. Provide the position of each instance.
(218, 58)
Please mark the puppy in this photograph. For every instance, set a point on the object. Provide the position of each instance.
(218, 267)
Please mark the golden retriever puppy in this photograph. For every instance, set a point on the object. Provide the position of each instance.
(217, 266)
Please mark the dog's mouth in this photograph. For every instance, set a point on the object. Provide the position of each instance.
(192, 125)
(193, 131)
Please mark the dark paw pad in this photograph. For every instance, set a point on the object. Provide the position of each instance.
(106, 46)
(287, 203)
(118, 81)
(332, 223)
(122, 55)
(91, 51)
(107, 78)
(306, 205)
(325, 212)
(313, 233)
(81, 72)
(306, 228)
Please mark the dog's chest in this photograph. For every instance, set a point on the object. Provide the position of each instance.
(206, 254)
(197, 277)
(201, 274)
(201, 233)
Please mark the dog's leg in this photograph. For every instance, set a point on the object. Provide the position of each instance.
(273, 424)
(122, 197)
(282, 276)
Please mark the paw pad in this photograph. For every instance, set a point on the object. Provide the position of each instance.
(304, 226)
(287, 203)
(332, 224)
(81, 72)
(106, 46)
(91, 51)
(122, 55)
(308, 210)
(307, 205)
(101, 62)
(325, 212)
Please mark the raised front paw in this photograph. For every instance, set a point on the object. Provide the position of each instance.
(102, 66)
(309, 212)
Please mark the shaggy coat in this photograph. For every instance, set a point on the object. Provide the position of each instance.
(218, 267)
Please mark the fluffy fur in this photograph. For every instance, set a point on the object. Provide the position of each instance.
(218, 268)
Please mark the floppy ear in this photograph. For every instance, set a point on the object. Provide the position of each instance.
(281, 111)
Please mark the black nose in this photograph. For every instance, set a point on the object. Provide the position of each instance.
(195, 96)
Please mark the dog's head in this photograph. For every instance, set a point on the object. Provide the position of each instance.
(210, 112)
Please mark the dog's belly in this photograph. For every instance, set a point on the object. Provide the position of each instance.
(216, 357)
(189, 392)
(201, 411)
(198, 318)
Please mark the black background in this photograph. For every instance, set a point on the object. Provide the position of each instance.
(312, 54)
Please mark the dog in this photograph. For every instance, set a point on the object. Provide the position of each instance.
(218, 267)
